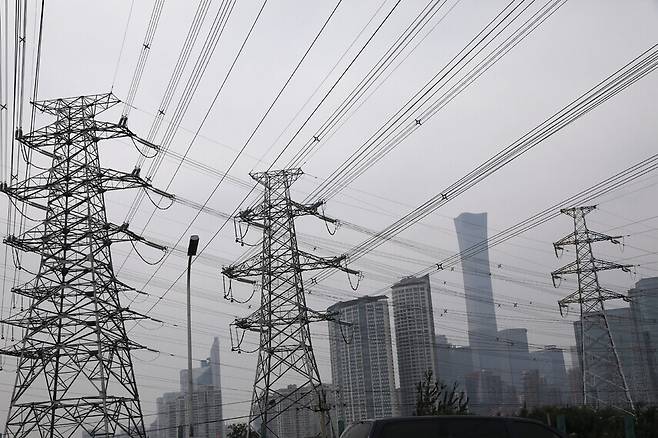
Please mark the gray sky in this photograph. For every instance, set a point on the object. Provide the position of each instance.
(585, 41)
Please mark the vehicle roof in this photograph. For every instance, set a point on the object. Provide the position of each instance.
(457, 417)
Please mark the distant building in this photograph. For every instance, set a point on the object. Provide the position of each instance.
(206, 402)
(454, 362)
(444, 360)
(575, 386)
(644, 310)
(549, 361)
(603, 370)
(414, 335)
(514, 342)
(362, 359)
(295, 412)
(488, 394)
(634, 330)
(480, 310)
(534, 386)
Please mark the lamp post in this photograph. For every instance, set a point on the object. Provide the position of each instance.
(191, 252)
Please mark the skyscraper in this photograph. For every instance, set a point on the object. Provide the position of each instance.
(454, 362)
(514, 342)
(206, 400)
(644, 306)
(294, 413)
(608, 389)
(549, 362)
(362, 359)
(414, 335)
(481, 316)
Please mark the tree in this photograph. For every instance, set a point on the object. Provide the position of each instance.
(607, 422)
(433, 397)
(239, 430)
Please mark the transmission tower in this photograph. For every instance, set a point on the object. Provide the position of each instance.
(603, 379)
(74, 368)
(282, 320)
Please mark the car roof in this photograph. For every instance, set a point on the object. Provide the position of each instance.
(434, 417)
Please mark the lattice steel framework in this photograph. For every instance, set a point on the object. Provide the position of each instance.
(74, 369)
(282, 320)
(603, 379)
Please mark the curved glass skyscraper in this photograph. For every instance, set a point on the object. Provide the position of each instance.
(481, 316)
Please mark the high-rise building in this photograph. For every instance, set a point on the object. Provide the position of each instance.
(206, 402)
(488, 394)
(454, 362)
(444, 360)
(534, 386)
(644, 309)
(609, 389)
(480, 311)
(414, 335)
(294, 412)
(514, 342)
(549, 363)
(362, 359)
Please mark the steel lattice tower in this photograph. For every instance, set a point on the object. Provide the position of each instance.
(282, 320)
(74, 369)
(602, 375)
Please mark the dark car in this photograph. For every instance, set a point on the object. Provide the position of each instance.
(464, 426)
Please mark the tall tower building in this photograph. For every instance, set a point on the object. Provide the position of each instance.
(605, 392)
(481, 316)
(644, 305)
(206, 401)
(294, 416)
(549, 362)
(362, 359)
(514, 343)
(414, 335)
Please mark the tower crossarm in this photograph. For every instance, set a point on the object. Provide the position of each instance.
(44, 139)
(587, 236)
(592, 296)
(78, 106)
(310, 262)
(256, 215)
(37, 322)
(252, 267)
(35, 191)
(577, 211)
(594, 265)
(37, 291)
(258, 322)
(38, 239)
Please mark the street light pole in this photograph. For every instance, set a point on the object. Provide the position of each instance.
(191, 252)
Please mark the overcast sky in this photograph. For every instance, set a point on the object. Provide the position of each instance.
(581, 44)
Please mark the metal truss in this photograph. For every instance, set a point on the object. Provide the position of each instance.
(603, 379)
(282, 320)
(74, 369)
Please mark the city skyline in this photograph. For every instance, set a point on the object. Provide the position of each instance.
(248, 99)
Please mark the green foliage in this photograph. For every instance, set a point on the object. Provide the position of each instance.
(585, 422)
(434, 397)
(240, 430)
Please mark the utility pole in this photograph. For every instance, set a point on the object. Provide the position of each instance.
(191, 252)
(602, 375)
(282, 320)
(74, 369)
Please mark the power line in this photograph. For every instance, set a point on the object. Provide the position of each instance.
(630, 73)
(422, 106)
(212, 193)
(123, 44)
(151, 28)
